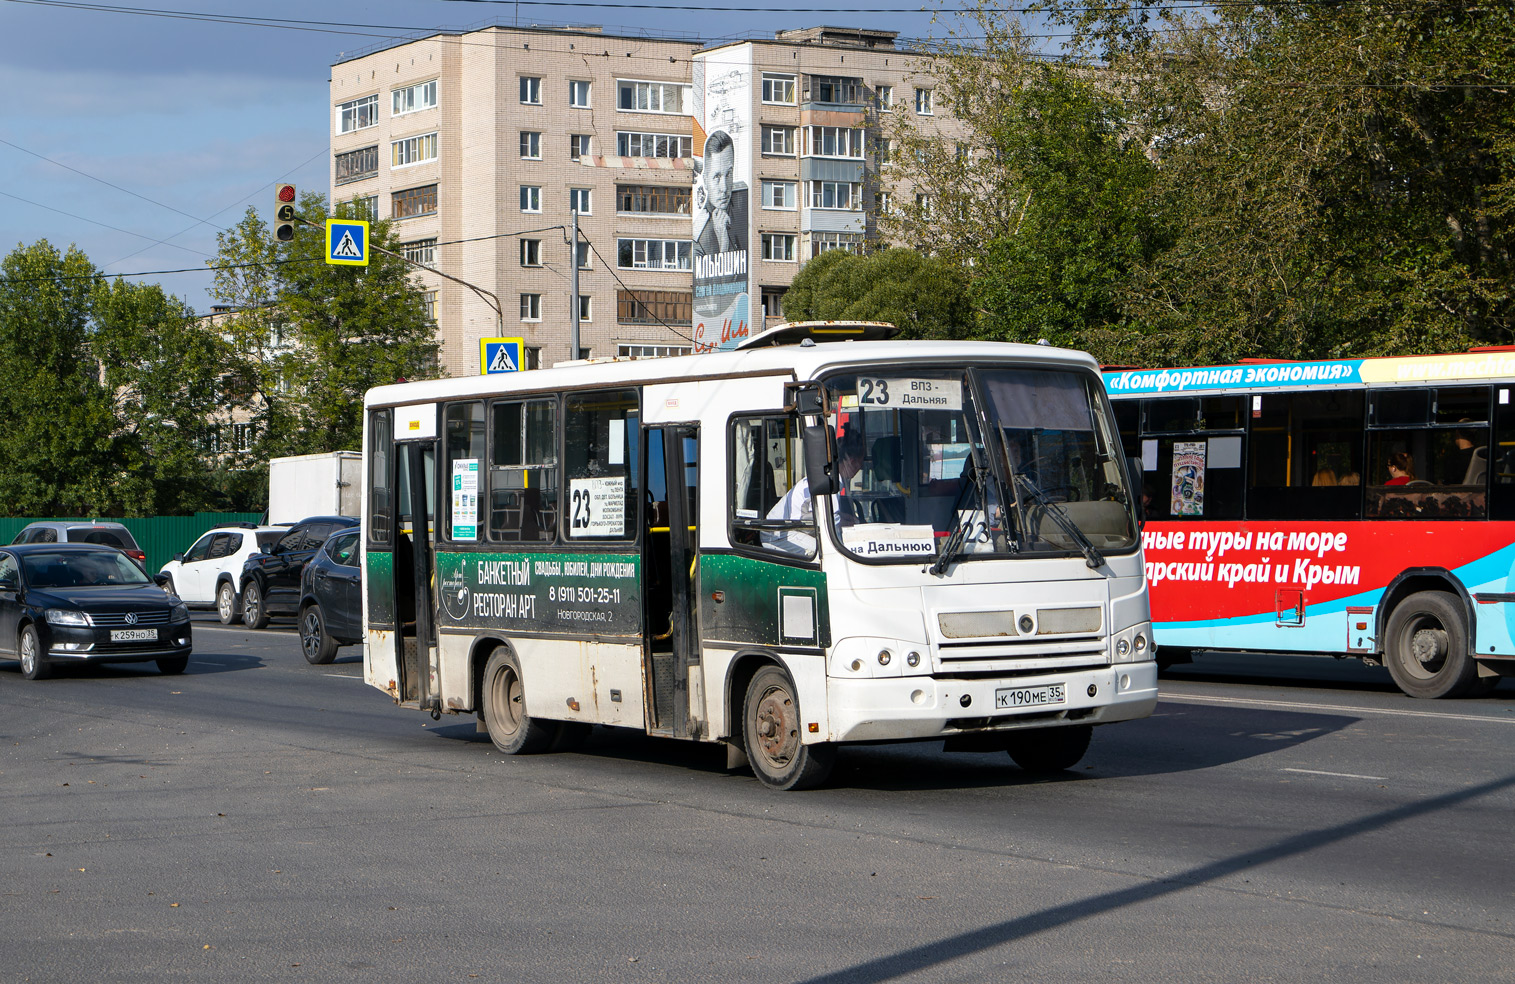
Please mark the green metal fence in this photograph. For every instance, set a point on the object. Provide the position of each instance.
(160, 537)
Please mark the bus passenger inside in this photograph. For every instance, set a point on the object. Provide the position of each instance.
(1401, 468)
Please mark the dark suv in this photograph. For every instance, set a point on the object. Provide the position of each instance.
(271, 580)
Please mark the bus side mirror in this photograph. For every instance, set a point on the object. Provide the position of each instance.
(1138, 483)
(818, 467)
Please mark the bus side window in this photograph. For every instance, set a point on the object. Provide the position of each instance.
(380, 501)
(771, 508)
(600, 477)
(1501, 467)
(523, 472)
(1306, 455)
(1198, 449)
(464, 423)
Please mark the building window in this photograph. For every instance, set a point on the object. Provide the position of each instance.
(778, 89)
(654, 307)
(429, 305)
(355, 165)
(578, 145)
(835, 89)
(533, 358)
(779, 194)
(366, 207)
(651, 351)
(824, 242)
(414, 201)
(531, 198)
(883, 150)
(779, 246)
(531, 90)
(360, 114)
(773, 302)
(652, 97)
(923, 102)
(653, 199)
(883, 98)
(778, 140)
(836, 194)
(653, 254)
(531, 145)
(834, 141)
(412, 98)
(243, 435)
(422, 251)
(413, 150)
(531, 307)
(531, 252)
(586, 308)
(578, 93)
(583, 253)
(652, 144)
(923, 204)
(579, 201)
(885, 202)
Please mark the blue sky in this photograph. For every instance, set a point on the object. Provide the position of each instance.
(167, 127)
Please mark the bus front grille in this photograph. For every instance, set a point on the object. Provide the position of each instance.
(1023, 658)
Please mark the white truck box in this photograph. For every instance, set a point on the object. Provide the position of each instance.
(327, 484)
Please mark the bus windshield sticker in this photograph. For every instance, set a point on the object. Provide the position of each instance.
(889, 540)
(597, 506)
(616, 443)
(465, 499)
(1188, 478)
(919, 394)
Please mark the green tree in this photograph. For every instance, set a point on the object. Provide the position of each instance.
(61, 445)
(307, 339)
(926, 297)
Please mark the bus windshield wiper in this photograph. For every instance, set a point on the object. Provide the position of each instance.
(1092, 556)
(954, 543)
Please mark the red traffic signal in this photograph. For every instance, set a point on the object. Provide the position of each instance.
(284, 214)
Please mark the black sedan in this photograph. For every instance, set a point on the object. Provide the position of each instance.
(331, 598)
(81, 603)
(270, 582)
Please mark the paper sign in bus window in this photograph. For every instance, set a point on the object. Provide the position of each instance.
(465, 499)
(1188, 478)
(597, 506)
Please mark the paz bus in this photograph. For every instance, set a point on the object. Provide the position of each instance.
(784, 548)
(1354, 507)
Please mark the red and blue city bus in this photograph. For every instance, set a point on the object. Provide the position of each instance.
(1354, 507)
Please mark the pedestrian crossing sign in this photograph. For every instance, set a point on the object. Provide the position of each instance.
(501, 355)
(347, 242)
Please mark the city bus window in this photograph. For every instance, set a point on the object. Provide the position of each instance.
(1128, 415)
(599, 473)
(1501, 466)
(380, 504)
(1424, 458)
(523, 472)
(1461, 441)
(1194, 446)
(770, 505)
(1306, 455)
(464, 427)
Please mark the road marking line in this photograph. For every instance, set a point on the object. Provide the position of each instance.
(1202, 698)
(344, 676)
(1339, 775)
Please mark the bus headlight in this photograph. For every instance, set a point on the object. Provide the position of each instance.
(1132, 644)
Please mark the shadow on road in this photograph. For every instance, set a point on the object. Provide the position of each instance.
(210, 663)
(1348, 675)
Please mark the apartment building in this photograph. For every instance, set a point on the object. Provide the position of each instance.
(482, 146)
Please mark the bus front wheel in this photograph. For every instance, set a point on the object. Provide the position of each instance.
(1049, 750)
(511, 728)
(771, 734)
(1426, 647)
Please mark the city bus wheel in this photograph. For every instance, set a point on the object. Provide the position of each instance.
(226, 604)
(771, 734)
(1048, 750)
(1426, 647)
(511, 728)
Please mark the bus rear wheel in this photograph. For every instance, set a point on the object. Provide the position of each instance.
(771, 735)
(1049, 750)
(1426, 647)
(511, 728)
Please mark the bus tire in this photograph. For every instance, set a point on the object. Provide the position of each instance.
(771, 735)
(511, 728)
(1045, 751)
(1426, 647)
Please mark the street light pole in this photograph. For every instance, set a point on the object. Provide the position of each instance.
(573, 287)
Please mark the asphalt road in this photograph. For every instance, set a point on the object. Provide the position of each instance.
(258, 819)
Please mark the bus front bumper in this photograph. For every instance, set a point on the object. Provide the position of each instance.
(905, 708)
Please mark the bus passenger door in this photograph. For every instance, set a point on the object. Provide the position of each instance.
(415, 480)
(671, 640)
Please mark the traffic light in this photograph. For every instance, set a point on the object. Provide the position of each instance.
(284, 213)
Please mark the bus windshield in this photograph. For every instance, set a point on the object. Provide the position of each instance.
(972, 462)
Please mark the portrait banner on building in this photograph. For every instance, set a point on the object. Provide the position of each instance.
(722, 198)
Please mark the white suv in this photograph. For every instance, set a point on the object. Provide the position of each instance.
(205, 575)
